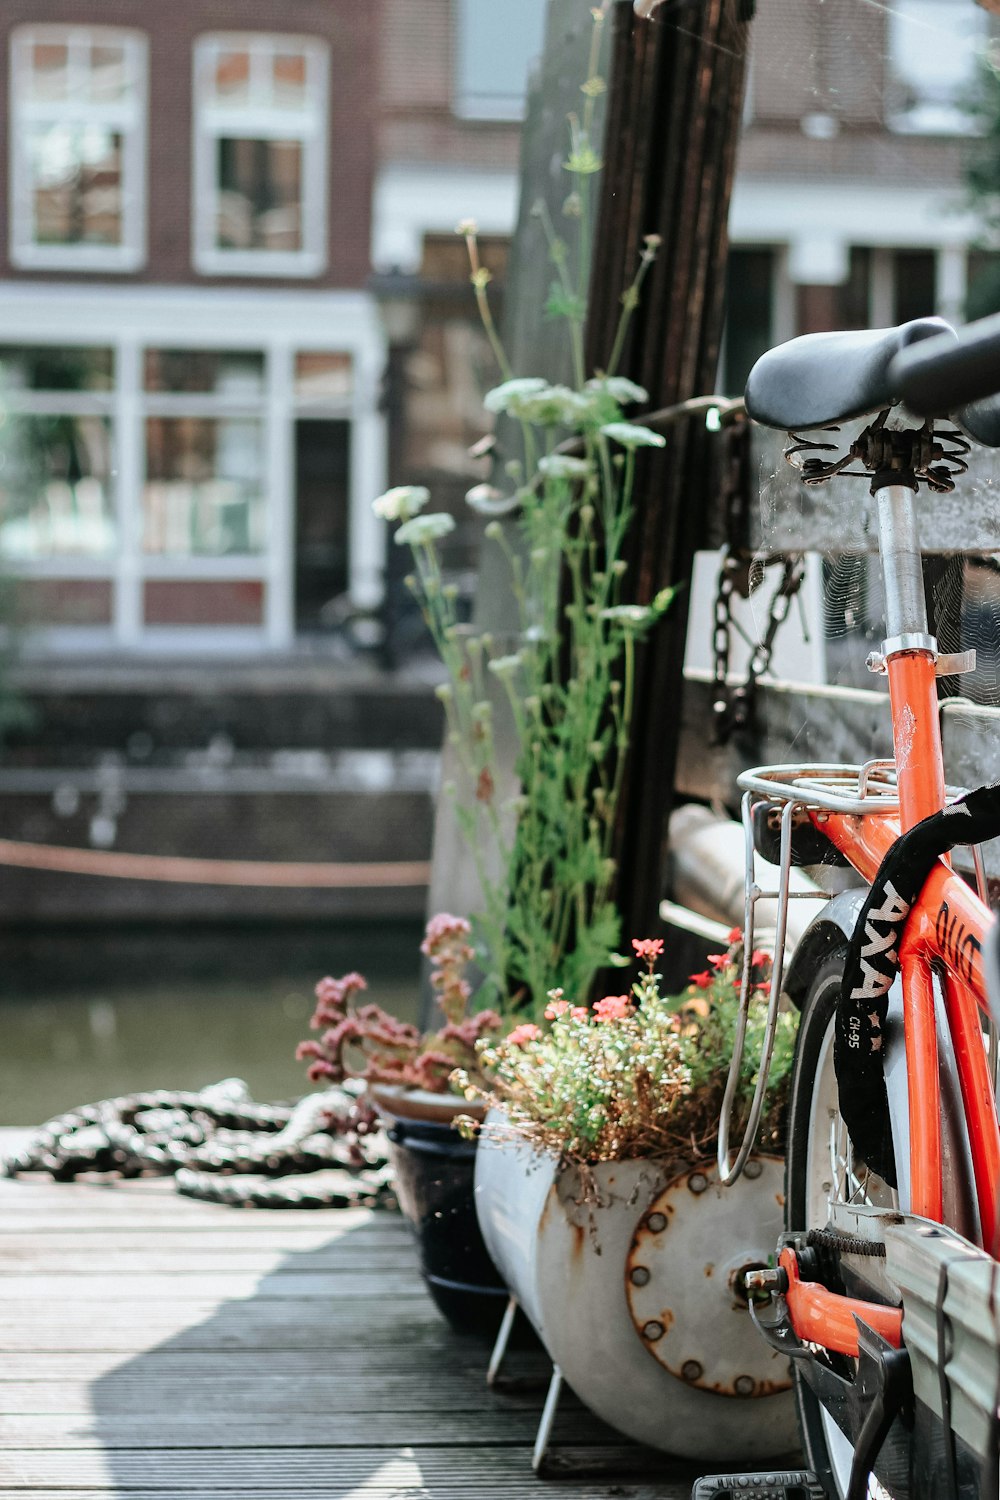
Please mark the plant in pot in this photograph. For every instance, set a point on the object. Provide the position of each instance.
(407, 1075)
(598, 1197)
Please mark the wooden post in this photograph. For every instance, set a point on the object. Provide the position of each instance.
(673, 125)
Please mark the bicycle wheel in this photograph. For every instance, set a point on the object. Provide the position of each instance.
(819, 1170)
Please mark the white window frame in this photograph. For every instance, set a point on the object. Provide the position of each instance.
(126, 116)
(214, 120)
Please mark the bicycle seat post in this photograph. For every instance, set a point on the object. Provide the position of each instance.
(909, 652)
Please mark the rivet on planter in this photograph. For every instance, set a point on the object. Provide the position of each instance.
(653, 1330)
(691, 1370)
(697, 1182)
(639, 1276)
(657, 1223)
(752, 1169)
(744, 1385)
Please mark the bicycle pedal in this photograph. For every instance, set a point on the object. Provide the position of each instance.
(786, 1484)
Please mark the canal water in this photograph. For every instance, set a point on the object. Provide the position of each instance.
(84, 1016)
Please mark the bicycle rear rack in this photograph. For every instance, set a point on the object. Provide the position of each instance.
(856, 790)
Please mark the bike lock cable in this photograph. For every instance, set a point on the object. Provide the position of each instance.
(873, 963)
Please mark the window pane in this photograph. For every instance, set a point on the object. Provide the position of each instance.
(76, 180)
(48, 79)
(496, 46)
(260, 195)
(323, 377)
(232, 77)
(221, 372)
(203, 492)
(915, 284)
(289, 87)
(55, 487)
(932, 63)
(108, 74)
(56, 369)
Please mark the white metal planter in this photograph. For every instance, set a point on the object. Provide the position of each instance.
(637, 1298)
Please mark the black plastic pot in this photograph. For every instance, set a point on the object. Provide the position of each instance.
(434, 1170)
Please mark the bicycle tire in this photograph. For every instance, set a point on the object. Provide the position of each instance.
(817, 1138)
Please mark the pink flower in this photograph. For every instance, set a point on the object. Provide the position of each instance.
(648, 947)
(579, 1013)
(703, 980)
(443, 927)
(556, 1008)
(758, 956)
(612, 1008)
(526, 1032)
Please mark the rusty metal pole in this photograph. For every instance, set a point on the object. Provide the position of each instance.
(676, 92)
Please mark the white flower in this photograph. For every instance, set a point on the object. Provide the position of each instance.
(505, 666)
(424, 529)
(486, 500)
(401, 503)
(628, 616)
(534, 400)
(618, 387)
(501, 396)
(563, 466)
(631, 436)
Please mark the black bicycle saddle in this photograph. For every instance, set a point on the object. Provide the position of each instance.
(823, 378)
(981, 421)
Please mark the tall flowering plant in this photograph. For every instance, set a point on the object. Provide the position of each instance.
(544, 856)
(637, 1074)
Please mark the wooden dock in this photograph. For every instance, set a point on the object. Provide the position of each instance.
(152, 1346)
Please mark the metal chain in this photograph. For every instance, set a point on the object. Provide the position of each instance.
(733, 703)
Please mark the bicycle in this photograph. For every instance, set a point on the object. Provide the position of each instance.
(886, 1291)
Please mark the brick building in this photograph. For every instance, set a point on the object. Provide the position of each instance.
(849, 209)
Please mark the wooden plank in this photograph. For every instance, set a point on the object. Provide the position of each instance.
(184, 1260)
(382, 1428)
(337, 1472)
(73, 1285)
(522, 1486)
(839, 516)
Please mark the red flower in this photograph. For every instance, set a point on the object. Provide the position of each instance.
(648, 947)
(758, 956)
(703, 980)
(734, 935)
(718, 960)
(764, 988)
(526, 1032)
(612, 1008)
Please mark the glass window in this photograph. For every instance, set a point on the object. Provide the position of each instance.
(56, 496)
(323, 377)
(933, 47)
(495, 48)
(203, 491)
(260, 190)
(77, 147)
(59, 368)
(219, 372)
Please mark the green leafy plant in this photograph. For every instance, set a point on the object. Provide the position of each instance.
(638, 1074)
(543, 850)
